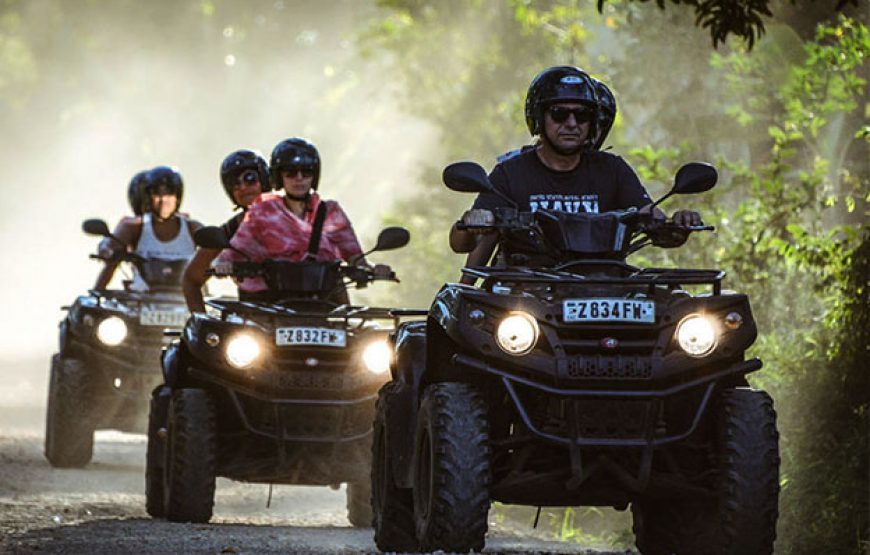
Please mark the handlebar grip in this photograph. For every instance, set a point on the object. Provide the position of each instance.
(701, 227)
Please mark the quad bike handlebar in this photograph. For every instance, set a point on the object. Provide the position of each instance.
(642, 228)
(360, 275)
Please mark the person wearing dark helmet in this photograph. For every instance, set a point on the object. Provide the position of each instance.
(606, 112)
(562, 172)
(280, 226)
(244, 176)
(159, 232)
(606, 104)
(136, 193)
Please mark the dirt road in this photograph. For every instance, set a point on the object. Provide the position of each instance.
(100, 510)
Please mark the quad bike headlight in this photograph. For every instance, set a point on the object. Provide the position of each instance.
(377, 356)
(242, 350)
(112, 331)
(517, 333)
(696, 335)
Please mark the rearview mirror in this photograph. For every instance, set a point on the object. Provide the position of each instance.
(96, 227)
(466, 177)
(211, 238)
(392, 238)
(695, 177)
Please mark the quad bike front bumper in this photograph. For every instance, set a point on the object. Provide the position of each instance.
(640, 406)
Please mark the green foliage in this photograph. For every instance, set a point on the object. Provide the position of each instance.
(785, 242)
(788, 130)
(744, 18)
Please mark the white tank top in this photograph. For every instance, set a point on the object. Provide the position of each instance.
(180, 247)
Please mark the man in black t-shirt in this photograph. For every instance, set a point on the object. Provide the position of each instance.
(563, 172)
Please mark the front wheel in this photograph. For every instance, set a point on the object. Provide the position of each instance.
(190, 464)
(69, 429)
(742, 519)
(154, 459)
(393, 507)
(452, 469)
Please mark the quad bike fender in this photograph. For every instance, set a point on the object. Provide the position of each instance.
(173, 363)
(63, 337)
(160, 398)
(402, 395)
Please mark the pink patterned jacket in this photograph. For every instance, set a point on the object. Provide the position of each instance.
(271, 230)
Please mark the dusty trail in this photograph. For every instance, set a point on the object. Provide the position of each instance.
(100, 510)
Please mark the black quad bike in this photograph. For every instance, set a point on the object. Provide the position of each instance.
(578, 379)
(278, 389)
(108, 362)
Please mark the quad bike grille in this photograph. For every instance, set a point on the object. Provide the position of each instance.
(593, 419)
(308, 421)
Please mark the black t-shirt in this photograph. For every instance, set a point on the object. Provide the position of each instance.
(232, 225)
(601, 182)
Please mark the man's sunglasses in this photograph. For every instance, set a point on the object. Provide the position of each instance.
(306, 171)
(559, 114)
(248, 178)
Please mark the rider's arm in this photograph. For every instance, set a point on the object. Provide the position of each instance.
(128, 231)
(465, 240)
(194, 278)
(479, 256)
(105, 275)
(194, 226)
(462, 240)
(481, 214)
(341, 234)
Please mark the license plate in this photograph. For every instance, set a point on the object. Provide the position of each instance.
(325, 337)
(166, 318)
(608, 310)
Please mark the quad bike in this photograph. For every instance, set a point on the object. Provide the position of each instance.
(279, 389)
(578, 380)
(108, 361)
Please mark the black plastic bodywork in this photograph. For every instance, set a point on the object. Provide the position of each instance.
(300, 414)
(121, 377)
(597, 413)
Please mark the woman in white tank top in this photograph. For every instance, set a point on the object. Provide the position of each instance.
(161, 233)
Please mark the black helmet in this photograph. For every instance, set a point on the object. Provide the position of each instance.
(136, 193)
(293, 152)
(558, 84)
(606, 111)
(165, 177)
(239, 161)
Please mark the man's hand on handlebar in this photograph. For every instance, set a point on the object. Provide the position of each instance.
(478, 220)
(687, 218)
